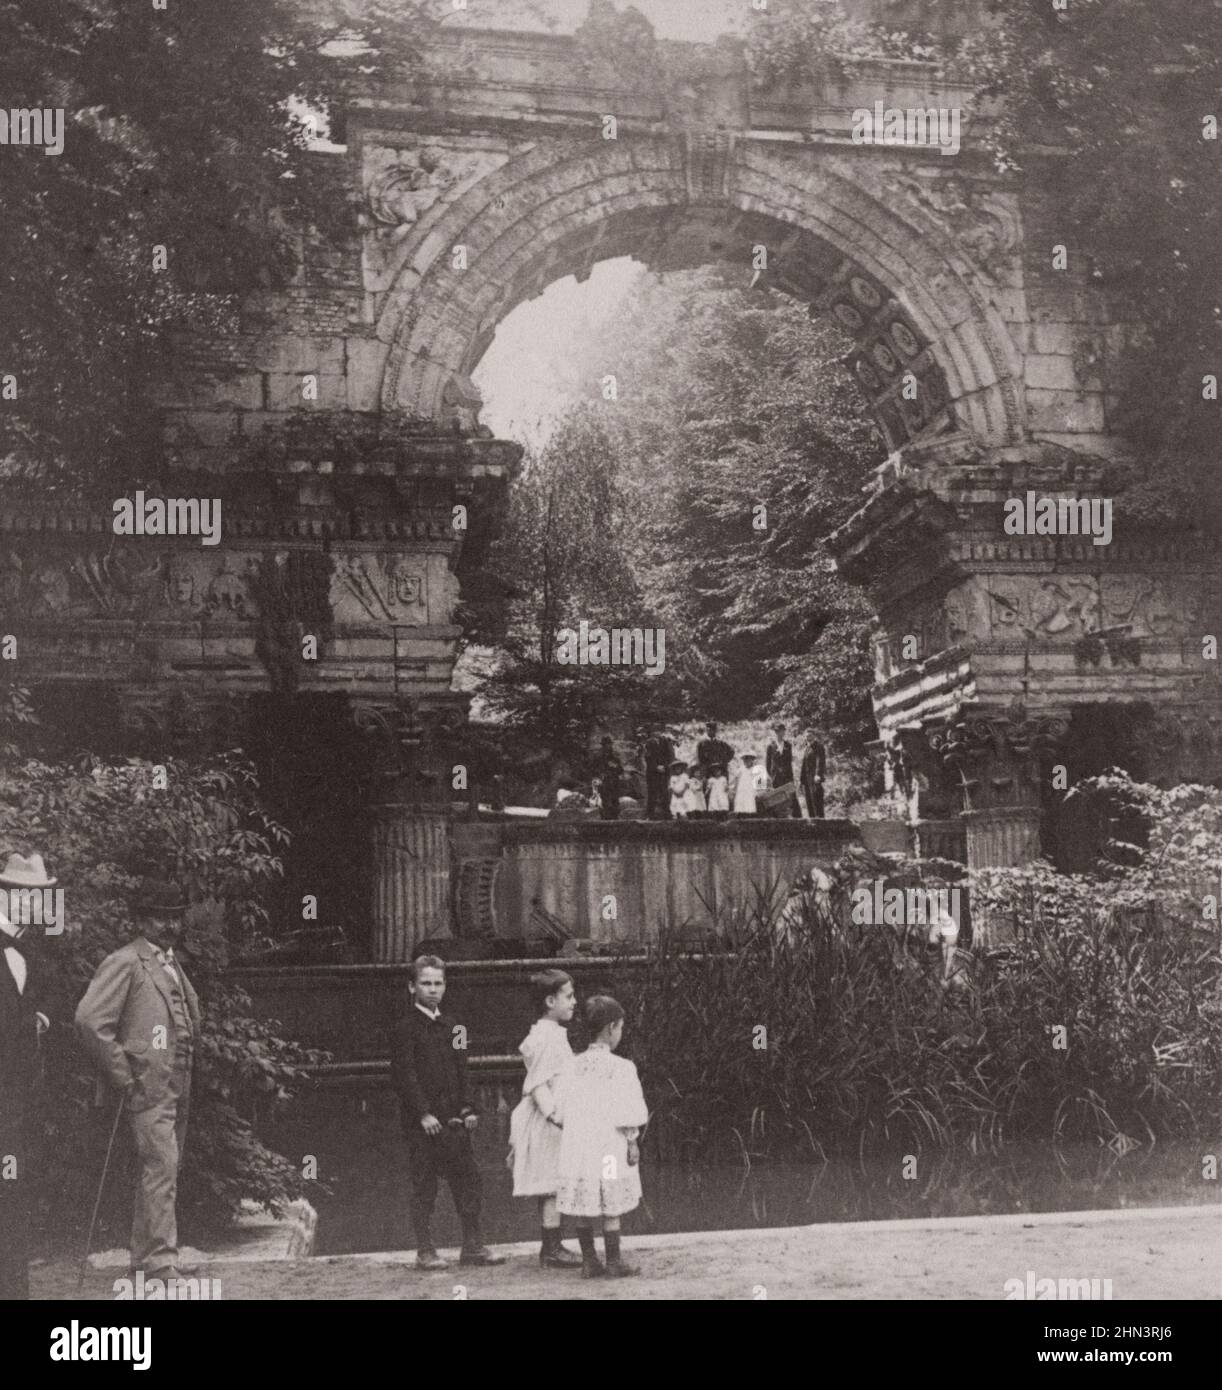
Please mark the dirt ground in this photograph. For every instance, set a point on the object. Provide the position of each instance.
(1154, 1253)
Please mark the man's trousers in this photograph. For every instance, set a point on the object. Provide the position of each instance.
(160, 1132)
(447, 1155)
(16, 1201)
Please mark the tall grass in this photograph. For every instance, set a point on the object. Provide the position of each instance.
(813, 1036)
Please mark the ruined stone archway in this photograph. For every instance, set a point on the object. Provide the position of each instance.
(834, 232)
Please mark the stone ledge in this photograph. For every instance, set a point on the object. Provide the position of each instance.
(749, 830)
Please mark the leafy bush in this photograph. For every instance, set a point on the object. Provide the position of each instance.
(866, 1048)
(100, 827)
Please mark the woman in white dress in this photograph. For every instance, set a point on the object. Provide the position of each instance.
(745, 786)
(534, 1126)
(602, 1110)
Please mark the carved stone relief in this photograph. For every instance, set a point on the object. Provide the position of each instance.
(109, 583)
(998, 607)
(401, 186)
(380, 589)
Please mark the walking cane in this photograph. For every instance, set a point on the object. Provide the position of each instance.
(97, 1201)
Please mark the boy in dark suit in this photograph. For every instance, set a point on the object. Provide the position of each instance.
(428, 1070)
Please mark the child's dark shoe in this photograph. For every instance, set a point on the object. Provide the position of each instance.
(480, 1255)
(553, 1255)
(430, 1259)
(560, 1258)
(593, 1268)
(616, 1268)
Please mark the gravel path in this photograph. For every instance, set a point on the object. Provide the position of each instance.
(1152, 1253)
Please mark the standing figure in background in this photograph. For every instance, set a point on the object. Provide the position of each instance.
(678, 789)
(778, 761)
(712, 751)
(610, 774)
(746, 784)
(718, 790)
(695, 802)
(21, 1028)
(813, 775)
(658, 753)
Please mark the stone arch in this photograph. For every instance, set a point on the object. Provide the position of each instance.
(836, 232)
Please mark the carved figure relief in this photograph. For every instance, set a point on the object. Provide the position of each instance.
(400, 194)
(181, 595)
(228, 592)
(380, 588)
(984, 224)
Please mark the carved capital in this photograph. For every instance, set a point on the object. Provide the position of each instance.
(996, 757)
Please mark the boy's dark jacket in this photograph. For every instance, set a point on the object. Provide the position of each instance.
(428, 1072)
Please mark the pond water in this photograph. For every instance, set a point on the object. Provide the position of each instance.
(360, 1154)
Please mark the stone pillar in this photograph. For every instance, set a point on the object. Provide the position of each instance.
(999, 760)
(1002, 836)
(411, 880)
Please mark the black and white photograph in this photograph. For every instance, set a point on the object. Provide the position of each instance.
(609, 663)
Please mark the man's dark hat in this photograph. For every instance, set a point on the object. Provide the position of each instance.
(158, 897)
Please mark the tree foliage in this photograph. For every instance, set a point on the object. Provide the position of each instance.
(187, 129)
(100, 826)
(563, 559)
(742, 443)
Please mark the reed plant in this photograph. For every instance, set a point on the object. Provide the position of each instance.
(809, 1035)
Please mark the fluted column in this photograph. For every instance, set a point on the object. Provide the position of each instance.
(999, 760)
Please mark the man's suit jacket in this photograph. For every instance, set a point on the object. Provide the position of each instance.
(778, 760)
(18, 1056)
(659, 753)
(127, 999)
(814, 770)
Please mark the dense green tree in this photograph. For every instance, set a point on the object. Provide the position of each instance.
(1104, 111)
(563, 560)
(1109, 113)
(186, 129)
(742, 442)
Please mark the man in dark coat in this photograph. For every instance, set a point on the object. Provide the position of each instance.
(712, 752)
(610, 773)
(778, 762)
(21, 1027)
(658, 753)
(813, 775)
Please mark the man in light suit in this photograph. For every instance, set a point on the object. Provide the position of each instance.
(139, 1021)
(21, 1026)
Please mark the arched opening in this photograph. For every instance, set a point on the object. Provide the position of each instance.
(827, 233)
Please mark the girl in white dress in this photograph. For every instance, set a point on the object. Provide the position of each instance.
(534, 1126)
(719, 789)
(695, 790)
(678, 790)
(603, 1109)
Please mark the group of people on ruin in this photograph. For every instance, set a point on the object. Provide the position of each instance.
(718, 782)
